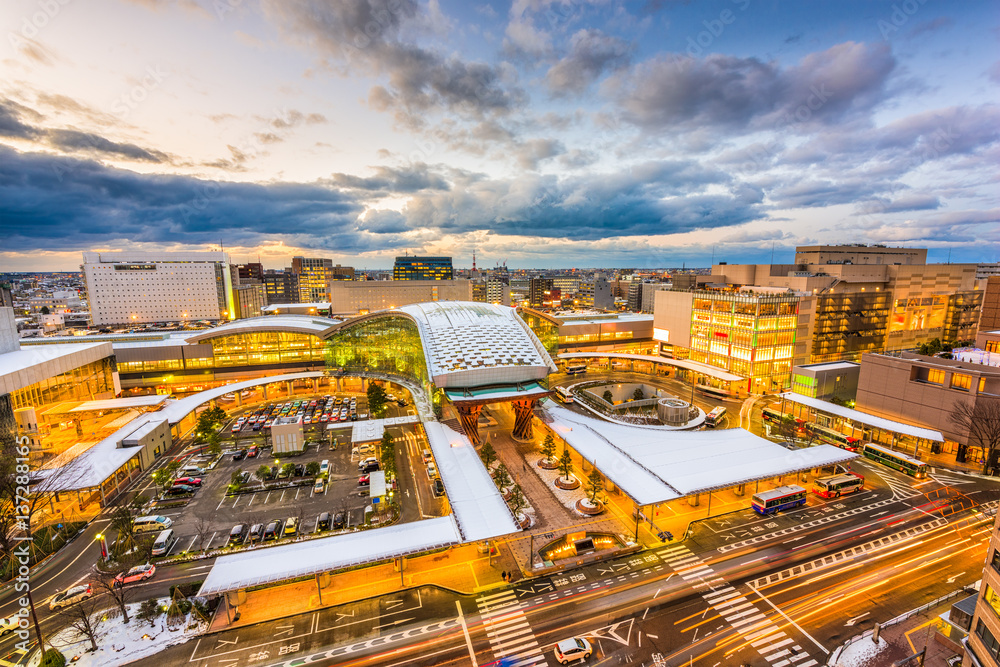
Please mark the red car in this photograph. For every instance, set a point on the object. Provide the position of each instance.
(136, 574)
(190, 481)
(252, 452)
(364, 480)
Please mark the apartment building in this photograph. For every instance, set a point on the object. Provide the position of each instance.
(596, 293)
(422, 268)
(137, 288)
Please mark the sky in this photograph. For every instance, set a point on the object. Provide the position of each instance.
(536, 133)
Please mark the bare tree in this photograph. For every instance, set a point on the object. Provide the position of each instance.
(84, 620)
(120, 594)
(202, 527)
(981, 420)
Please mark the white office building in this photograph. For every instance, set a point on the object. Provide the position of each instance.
(137, 288)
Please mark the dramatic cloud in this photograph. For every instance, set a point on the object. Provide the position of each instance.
(591, 54)
(676, 93)
(84, 142)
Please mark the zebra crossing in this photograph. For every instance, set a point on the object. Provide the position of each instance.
(508, 630)
(757, 630)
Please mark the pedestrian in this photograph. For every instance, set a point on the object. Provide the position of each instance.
(504, 575)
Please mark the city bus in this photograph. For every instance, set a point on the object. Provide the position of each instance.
(781, 498)
(835, 486)
(829, 436)
(575, 369)
(895, 460)
(773, 416)
(714, 418)
(562, 393)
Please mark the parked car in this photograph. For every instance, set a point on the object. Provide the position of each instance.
(244, 477)
(319, 486)
(364, 462)
(339, 519)
(137, 573)
(364, 480)
(272, 531)
(324, 522)
(70, 596)
(371, 466)
(189, 481)
(291, 526)
(300, 470)
(256, 533)
(274, 472)
(438, 487)
(238, 534)
(324, 467)
(191, 471)
(240, 455)
(179, 490)
(575, 648)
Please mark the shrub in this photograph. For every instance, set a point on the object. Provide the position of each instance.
(53, 658)
(149, 610)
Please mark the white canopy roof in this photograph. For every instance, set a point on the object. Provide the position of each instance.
(476, 504)
(306, 324)
(469, 344)
(121, 403)
(711, 371)
(865, 418)
(270, 564)
(653, 466)
(372, 429)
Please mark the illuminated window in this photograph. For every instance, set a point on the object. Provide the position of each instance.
(961, 382)
(992, 599)
(935, 377)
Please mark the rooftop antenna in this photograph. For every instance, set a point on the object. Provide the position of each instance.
(473, 260)
(772, 252)
(949, 255)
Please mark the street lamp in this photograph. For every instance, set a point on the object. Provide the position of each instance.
(104, 545)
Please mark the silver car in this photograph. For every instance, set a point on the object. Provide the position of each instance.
(70, 596)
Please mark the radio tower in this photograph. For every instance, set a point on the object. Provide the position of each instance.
(473, 260)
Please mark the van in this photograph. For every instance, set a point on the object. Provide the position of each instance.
(191, 471)
(149, 524)
(165, 541)
(324, 522)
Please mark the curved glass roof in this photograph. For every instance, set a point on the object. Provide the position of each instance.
(305, 324)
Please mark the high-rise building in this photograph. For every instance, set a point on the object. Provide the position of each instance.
(137, 287)
(540, 291)
(984, 271)
(479, 290)
(865, 299)
(422, 268)
(314, 274)
(281, 287)
(989, 318)
(250, 299)
(249, 272)
(596, 293)
(498, 292)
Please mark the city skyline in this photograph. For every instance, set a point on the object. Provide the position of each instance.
(549, 135)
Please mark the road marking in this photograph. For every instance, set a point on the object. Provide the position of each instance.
(793, 623)
(508, 630)
(465, 631)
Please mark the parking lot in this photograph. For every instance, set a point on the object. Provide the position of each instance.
(206, 521)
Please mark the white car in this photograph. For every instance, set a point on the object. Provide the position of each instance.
(574, 648)
(9, 625)
(70, 596)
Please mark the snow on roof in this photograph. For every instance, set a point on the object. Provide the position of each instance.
(865, 418)
(652, 465)
(121, 403)
(178, 410)
(479, 510)
(468, 344)
(372, 429)
(270, 564)
(306, 324)
(680, 363)
(831, 366)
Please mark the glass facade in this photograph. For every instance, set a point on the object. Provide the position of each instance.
(390, 344)
(850, 324)
(88, 382)
(749, 335)
(547, 332)
(422, 268)
(260, 348)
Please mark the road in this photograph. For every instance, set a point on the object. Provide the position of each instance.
(793, 592)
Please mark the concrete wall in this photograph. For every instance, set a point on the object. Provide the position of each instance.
(672, 314)
(370, 295)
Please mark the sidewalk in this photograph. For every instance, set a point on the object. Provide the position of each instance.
(461, 569)
(906, 638)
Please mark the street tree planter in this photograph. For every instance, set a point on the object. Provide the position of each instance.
(523, 520)
(586, 507)
(548, 464)
(567, 484)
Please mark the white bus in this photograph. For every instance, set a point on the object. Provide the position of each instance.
(563, 394)
(835, 486)
(775, 500)
(714, 418)
(575, 368)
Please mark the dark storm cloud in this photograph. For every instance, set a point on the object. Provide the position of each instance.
(11, 124)
(67, 204)
(369, 34)
(391, 180)
(724, 91)
(73, 141)
(591, 53)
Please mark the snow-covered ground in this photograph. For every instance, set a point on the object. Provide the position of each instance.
(861, 653)
(122, 643)
(567, 498)
(528, 510)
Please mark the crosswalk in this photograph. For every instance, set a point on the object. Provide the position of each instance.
(508, 630)
(758, 631)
